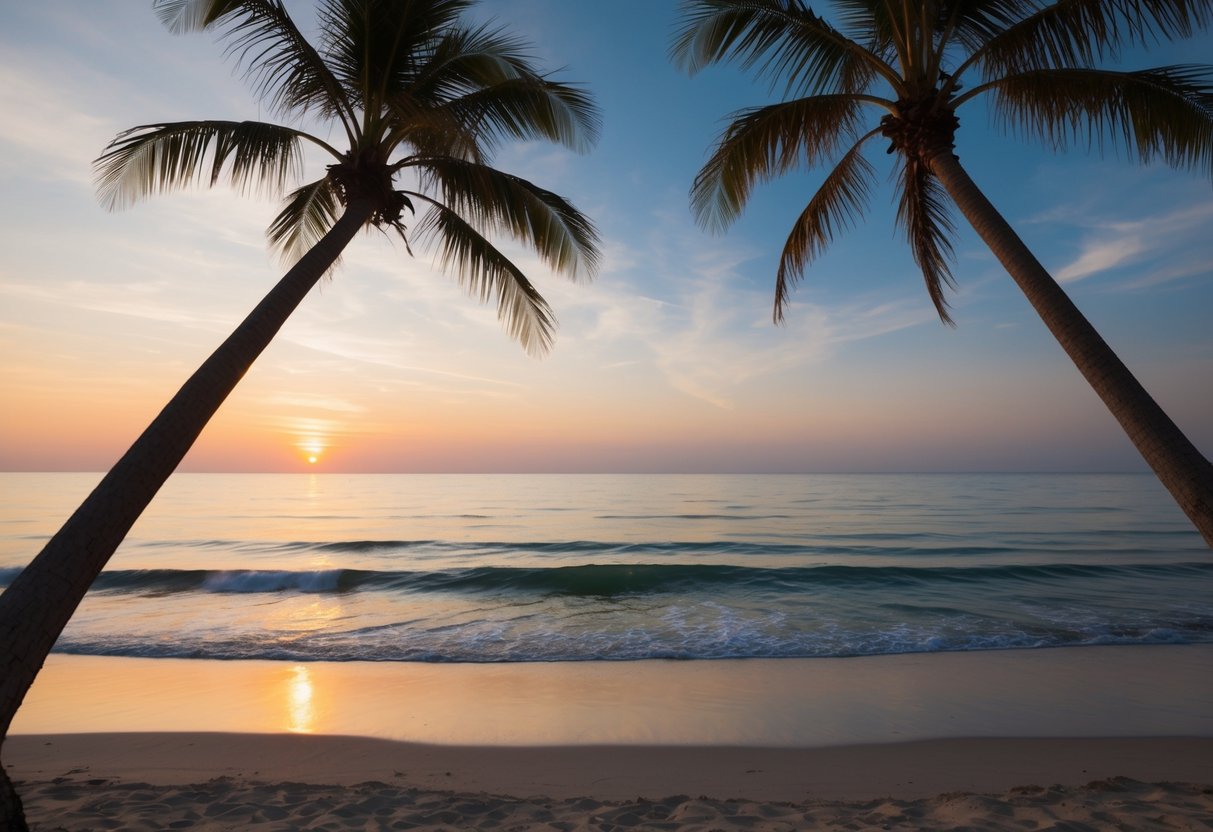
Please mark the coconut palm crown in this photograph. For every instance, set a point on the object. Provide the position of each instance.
(893, 74)
(419, 97)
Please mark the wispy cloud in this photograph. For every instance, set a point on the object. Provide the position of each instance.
(1196, 264)
(1099, 255)
(1110, 244)
(378, 351)
(157, 302)
(710, 333)
(312, 402)
(45, 122)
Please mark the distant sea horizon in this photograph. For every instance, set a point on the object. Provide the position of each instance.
(320, 469)
(474, 568)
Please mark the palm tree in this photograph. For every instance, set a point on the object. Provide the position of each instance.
(910, 62)
(418, 96)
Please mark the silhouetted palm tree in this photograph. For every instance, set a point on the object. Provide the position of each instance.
(915, 64)
(421, 99)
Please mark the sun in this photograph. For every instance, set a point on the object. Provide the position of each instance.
(312, 449)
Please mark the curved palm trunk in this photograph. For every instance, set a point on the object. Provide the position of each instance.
(37, 605)
(1177, 462)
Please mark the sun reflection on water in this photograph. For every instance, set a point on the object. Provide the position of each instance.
(301, 715)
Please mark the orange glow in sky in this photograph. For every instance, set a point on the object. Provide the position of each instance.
(666, 362)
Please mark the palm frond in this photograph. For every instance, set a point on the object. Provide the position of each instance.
(923, 213)
(531, 108)
(975, 23)
(486, 273)
(890, 27)
(500, 202)
(308, 215)
(468, 58)
(155, 158)
(781, 40)
(1163, 113)
(837, 205)
(377, 49)
(1077, 33)
(486, 80)
(863, 20)
(282, 65)
(762, 143)
(181, 16)
(432, 131)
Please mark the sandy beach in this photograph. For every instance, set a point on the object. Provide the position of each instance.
(283, 782)
(1120, 738)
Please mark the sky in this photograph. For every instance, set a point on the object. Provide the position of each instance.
(667, 361)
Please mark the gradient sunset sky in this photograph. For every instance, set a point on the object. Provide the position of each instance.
(668, 361)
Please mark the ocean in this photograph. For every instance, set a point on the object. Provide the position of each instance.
(570, 568)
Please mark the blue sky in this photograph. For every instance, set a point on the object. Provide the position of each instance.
(667, 361)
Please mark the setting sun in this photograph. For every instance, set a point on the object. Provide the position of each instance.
(312, 447)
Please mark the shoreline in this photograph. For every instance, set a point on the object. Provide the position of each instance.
(1126, 691)
(1085, 738)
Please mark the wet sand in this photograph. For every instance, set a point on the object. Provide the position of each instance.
(1091, 738)
(1150, 691)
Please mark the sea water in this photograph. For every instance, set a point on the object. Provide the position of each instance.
(513, 568)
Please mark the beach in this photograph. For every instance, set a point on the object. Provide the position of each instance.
(243, 781)
(154, 744)
(626, 652)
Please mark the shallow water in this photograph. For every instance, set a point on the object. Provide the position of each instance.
(490, 568)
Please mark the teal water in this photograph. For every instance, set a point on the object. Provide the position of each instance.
(492, 568)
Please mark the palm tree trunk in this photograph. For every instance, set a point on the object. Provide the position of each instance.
(12, 814)
(1179, 465)
(42, 598)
